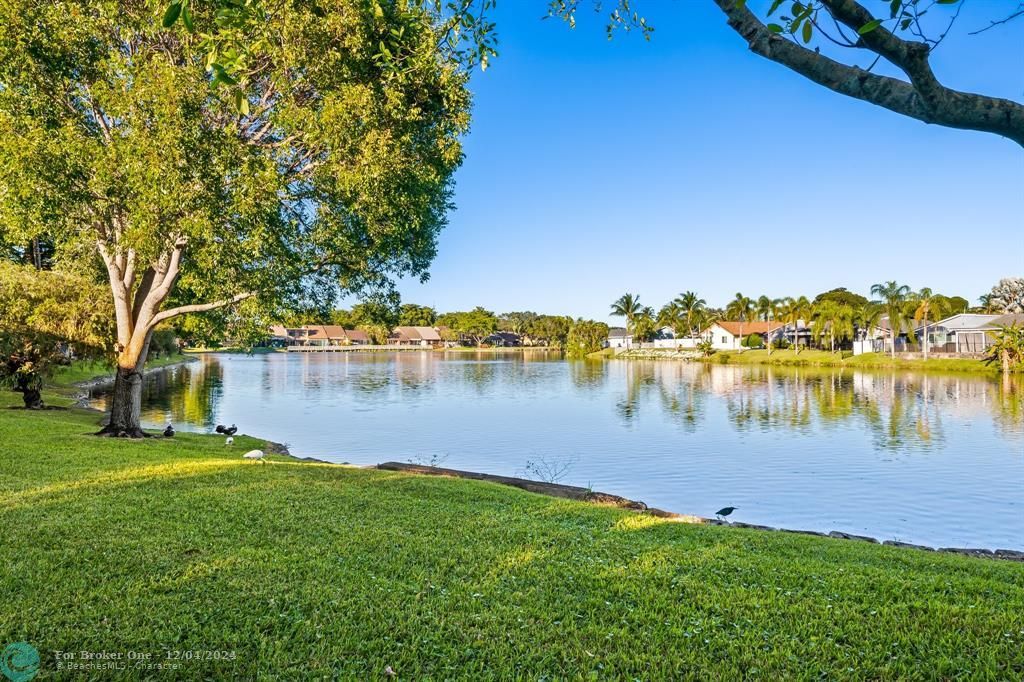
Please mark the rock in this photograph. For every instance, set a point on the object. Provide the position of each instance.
(897, 543)
(752, 526)
(850, 536)
(1011, 554)
(969, 551)
(803, 532)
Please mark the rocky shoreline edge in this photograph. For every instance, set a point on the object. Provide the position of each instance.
(607, 499)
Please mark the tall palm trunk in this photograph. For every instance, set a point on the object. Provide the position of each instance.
(925, 340)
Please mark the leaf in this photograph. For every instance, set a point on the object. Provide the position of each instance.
(869, 27)
(171, 15)
(775, 28)
(241, 103)
(186, 18)
(807, 31)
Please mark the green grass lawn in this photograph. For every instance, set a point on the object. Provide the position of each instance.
(866, 361)
(314, 571)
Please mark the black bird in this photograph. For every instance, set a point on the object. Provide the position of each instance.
(230, 431)
(169, 432)
(220, 428)
(725, 511)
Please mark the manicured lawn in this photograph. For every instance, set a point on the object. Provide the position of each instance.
(313, 571)
(866, 361)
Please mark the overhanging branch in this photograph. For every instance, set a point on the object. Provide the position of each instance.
(923, 98)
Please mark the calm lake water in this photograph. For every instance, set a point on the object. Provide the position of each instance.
(936, 459)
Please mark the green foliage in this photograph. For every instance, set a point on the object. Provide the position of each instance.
(841, 295)
(338, 179)
(752, 341)
(585, 337)
(412, 315)
(550, 330)
(644, 325)
(47, 318)
(164, 342)
(832, 321)
(1007, 347)
(706, 348)
(474, 325)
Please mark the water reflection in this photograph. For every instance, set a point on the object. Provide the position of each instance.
(799, 447)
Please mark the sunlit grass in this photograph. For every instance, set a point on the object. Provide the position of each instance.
(312, 571)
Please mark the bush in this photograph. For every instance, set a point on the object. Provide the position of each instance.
(780, 344)
(706, 348)
(164, 342)
(846, 354)
(752, 341)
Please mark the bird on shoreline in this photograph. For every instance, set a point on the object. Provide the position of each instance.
(169, 432)
(254, 455)
(229, 441)
(231, 430)
(725, 511)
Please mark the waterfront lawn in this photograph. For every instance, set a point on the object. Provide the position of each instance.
(823, 358)
(314, 571)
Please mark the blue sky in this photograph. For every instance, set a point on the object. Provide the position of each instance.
(594, 168)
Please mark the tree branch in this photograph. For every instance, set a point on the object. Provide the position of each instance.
(924, 98)
(197, 308)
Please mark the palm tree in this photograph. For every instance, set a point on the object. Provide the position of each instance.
(740, 308)
(926, 303)
(764, 308)
(834, 319)
(627, 306)
(894, 299)
(867, 316)
(793, 311)
(671, 315)
(691, 306)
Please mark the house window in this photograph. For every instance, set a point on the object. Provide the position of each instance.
(725, 339)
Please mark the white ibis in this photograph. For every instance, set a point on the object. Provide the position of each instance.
(254, 455)
(229, 441)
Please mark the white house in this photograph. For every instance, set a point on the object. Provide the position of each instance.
(729, 334)
(618, 337)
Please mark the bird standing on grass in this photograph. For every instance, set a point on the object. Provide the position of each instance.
(230, 431)
(169, 432)
(229, 441)
(725, 511)
(220, 428)
(254, 455)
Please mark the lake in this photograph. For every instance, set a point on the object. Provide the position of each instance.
(933, 459)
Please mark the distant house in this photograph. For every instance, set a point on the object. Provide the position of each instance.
(966, 333)
(317, 335)
(504, 339)
(729, 334)
(618, 337)
(415, 336)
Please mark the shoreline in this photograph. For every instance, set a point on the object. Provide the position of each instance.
(820, 359)
(610, 500)
(85, 387)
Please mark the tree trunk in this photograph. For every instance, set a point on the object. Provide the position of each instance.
(126, 399)
(32, 398)
(926, 344)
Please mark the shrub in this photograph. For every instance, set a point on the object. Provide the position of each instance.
(752, 341)
(780, 344)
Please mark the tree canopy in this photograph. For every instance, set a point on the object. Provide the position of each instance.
(328, 169)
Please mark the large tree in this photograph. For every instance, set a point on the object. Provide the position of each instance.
(324, 166)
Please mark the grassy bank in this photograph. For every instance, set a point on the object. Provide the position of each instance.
(819, 358)
(82, 371)
(315, 571)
